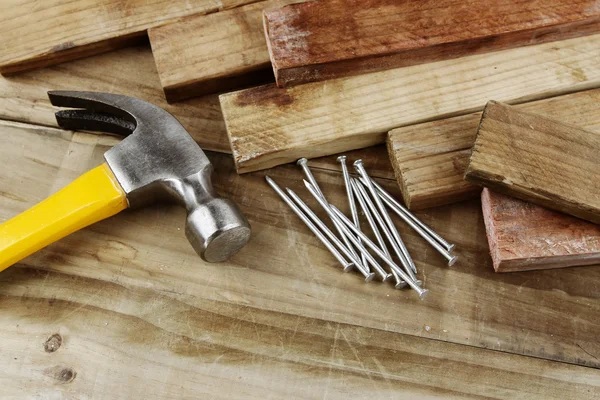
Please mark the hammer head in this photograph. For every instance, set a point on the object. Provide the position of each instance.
(158, 160)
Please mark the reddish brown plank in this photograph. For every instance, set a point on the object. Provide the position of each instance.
(328, 39)
(523, 236)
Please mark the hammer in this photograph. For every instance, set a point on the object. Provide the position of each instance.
(157, 161)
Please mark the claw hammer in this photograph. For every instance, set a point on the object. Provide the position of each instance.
(158, 160)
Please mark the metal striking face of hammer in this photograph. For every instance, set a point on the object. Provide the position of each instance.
(157, 161)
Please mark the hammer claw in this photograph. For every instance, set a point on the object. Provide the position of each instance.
(124, 107)
(93, 121)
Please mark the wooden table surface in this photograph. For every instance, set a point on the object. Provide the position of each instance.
(125, 309)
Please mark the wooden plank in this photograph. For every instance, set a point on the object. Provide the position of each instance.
(523, 236)
(130, 342)
(330, 39)
(205, 54)
(283, 270)
(537, 159)
(268, 126)
(128, 71)
(429, 159)
(53, 31)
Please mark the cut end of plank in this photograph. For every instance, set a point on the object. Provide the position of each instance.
(219, 52)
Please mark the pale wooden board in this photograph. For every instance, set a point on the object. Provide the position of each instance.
(537, 159)
(429, 159)
(133, 300)
(268, 126)
(205, 54)
(523, 236)
(331, 39)
(128, 71)
(125, 341)
(35, 34)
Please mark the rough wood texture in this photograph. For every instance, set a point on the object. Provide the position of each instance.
(137, 309)
(268, 126)
(330, 39)
(523, 236)
(537, 159)
(128, 71)
(205, 54)
(35, 34)
(429, 159)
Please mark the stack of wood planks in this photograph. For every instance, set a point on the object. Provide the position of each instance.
(348, 74)
(401, 84)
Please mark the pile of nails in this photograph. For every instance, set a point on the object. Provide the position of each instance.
(351, 246)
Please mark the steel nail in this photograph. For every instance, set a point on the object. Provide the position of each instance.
(358, 165)
(306, 209)
(400, 209)
(309, 224)
(350, 194)
(413, 283)
(386, 232)
(436, 245)
(349, 226)
(329, 209)
(370, 220)
(385, 229)
(303, 163)
(400, 284)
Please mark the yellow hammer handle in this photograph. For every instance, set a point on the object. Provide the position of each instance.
(92, 197)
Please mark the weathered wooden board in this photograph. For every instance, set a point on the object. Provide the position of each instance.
(523, 236)
(537, 159)
(40, 33)
(205, 54)
(130, 295)
(330, 39)
(66, 336)
(268, 126)
(128, 71)
(429, 159)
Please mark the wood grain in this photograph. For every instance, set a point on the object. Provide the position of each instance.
(35, 34)
(268, 126)
(205, 54)
(330, 39)
(128, 71)
(523, 236)
(537, 159)
(429, 159)
(143, 343)
(130, 295)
